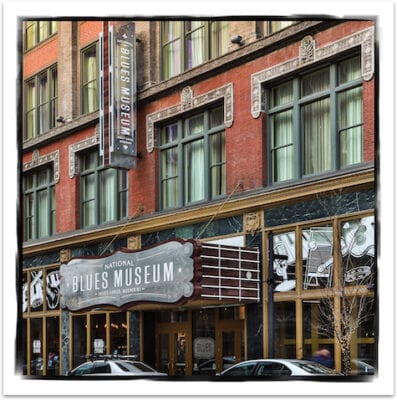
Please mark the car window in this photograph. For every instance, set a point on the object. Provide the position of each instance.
(272, 369)
(313, 368)
(101, 368)
(129, 366)
(241, 370)
(84, 369)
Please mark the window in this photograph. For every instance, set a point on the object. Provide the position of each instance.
(39, 204)
(186, 44)
(316, 122)
(274, 26)
(103, 191)
(89, 80)
(193, 159)
(41, 103)
(38, 31)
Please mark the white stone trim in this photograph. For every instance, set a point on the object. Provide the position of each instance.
(189, 102)
(74, 165)
(364, 38)
(38, 161)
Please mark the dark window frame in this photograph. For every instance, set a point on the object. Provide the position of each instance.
(212, 48)
(36, 27)
(181, 143)
(47, 106)
(85, 82)
(33, 191)
(296, 107)
(120, 196)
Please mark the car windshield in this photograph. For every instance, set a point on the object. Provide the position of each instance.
(313, 368)
(129, 366)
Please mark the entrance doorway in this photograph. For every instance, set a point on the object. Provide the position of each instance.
(199, 342)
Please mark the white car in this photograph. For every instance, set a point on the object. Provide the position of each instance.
(115, 368)
(276, 368)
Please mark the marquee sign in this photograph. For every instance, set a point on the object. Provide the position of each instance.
(164, 273)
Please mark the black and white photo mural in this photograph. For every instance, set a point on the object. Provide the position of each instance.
(357, 248)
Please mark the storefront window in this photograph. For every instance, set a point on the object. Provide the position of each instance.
(318, 333)
(36, 291)
(24, 349)
(284, 267)
(36, 346)
(98, 334)
(358, 251)
(317, 252)
(52, 327)
(204, 361)
(284, 330)
(118, 333)
(52, 289)
(79, 339)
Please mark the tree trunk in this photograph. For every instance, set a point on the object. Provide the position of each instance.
(346, 366)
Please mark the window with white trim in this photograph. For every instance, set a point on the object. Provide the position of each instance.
(193, 159)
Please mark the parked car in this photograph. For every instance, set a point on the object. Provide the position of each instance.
(115, 368)
(276, 368)
(209, 367)
(362, 367)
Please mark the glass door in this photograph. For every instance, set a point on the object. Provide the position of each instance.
(230, 347)
(173, 350)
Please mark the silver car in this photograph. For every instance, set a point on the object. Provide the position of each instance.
(115, 368)
(276, 368)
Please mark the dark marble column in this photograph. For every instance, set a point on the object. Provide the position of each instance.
(65, 345)
(135, 337)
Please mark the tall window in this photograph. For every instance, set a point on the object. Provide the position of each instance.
(187, 44)
(37, 31)
(41, 103)
(316, 122)
(193, 159)
(39, 204)
(103, 191)
(89, 80)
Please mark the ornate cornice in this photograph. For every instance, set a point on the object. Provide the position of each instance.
(309, 54)
(38, 161)
(189, 102)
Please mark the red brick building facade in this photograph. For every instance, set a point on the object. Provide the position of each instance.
(256, 134)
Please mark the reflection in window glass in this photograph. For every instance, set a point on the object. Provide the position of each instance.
(118, 333)
(284, 330)
(52, 327)
(79, 339)
(36, 346)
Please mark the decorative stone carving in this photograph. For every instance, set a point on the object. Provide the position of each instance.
(252, 222)
(188, 102)
(134, 242)
(306, 50)
(187, 98)
(38, 161)
(64, 255)
(308, 53)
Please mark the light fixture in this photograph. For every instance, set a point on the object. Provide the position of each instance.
(237, 39)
